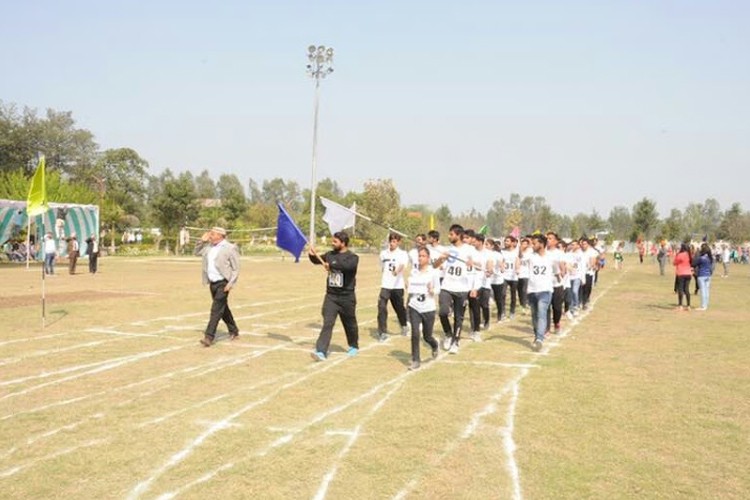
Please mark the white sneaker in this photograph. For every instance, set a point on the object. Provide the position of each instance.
(453, 349)
(569, 315)
(405, 330)
(476, 337)
(537, 345)
(447, 341)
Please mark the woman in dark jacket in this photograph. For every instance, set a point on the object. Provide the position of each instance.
(704, 268)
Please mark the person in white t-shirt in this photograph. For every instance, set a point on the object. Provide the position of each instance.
(50, 252)
(497, 282)
(558, 272)
(436, 250)
(458, 281)
(424, 286)
(393, 261)
(510, 274)
(419, 241)
(524, 253)
(540, 288)
(588, 261)
(575, 270)
(479, 304)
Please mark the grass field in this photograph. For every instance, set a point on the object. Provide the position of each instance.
(115, 398)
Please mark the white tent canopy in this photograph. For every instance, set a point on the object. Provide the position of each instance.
(62, 220)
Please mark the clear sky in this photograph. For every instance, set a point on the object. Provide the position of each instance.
(591, 104)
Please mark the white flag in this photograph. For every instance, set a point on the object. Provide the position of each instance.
(337, 216)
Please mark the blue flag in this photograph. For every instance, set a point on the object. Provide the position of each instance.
(289, 237)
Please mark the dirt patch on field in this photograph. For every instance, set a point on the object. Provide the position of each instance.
(62, 297)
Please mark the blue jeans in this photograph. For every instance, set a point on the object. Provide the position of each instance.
(704, 284)
(575, 287)
(49, 263)
(539, 303)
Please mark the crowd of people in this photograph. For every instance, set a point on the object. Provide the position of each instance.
(538, 275)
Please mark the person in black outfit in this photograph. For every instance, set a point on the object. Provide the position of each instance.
(340, 299)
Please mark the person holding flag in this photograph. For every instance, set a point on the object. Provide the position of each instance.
(340, 300)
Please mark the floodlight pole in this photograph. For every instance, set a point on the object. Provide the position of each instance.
(320, 65)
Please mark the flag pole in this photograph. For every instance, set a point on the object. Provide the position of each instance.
(28, 237)
(44, 281)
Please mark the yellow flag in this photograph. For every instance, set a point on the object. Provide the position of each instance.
(432, 222)
(36, 203)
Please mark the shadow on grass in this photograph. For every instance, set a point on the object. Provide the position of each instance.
(278, 336)
(59, 314)
(663, 307)
(514, 340)
(402, 356)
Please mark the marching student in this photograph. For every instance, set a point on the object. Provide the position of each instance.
(588, 263)
(524, 253)
(558, 271)
(436, 250)
(497, 282)
(458, 281)
(419, 241)
(540, 288)
(424, 286)
(510, 275)
(479, 303)
(393, 261)
(340, 299)
(575, 271)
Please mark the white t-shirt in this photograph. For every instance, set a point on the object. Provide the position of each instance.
(497, 275)
(589, 254)
(391, 261)
(556, 256)
(482, 264)
(459, 277)
(523, 267)
(414, 259)
(435, 253)
(576, 268)
(540, 273)
(50, 246)
(423, 288)
(511, 273)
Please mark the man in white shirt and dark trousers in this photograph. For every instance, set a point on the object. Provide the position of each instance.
(393, 262)
(50, 252)
(540, 288)
(458, 281)
(221, 269)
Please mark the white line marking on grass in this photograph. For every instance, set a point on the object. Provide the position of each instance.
(105, 367)
(178, 457)
(145, 485)
(35, 338)
(18, 468)
(47, 352)
(509, 444)
(110, 331)
(229, 361)
(491, 363)
(354, 435)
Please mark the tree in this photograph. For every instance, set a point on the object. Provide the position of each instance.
(673, 229)
(382, 203)
(118, 175)
(233, 202)
(175, 204)
(205, 187)
(645, 218)
(620, 223)
(735, 225)
(23, 135)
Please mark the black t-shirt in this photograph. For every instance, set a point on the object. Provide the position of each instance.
(342, 277)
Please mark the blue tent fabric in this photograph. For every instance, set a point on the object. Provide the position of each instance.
(62, 220)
